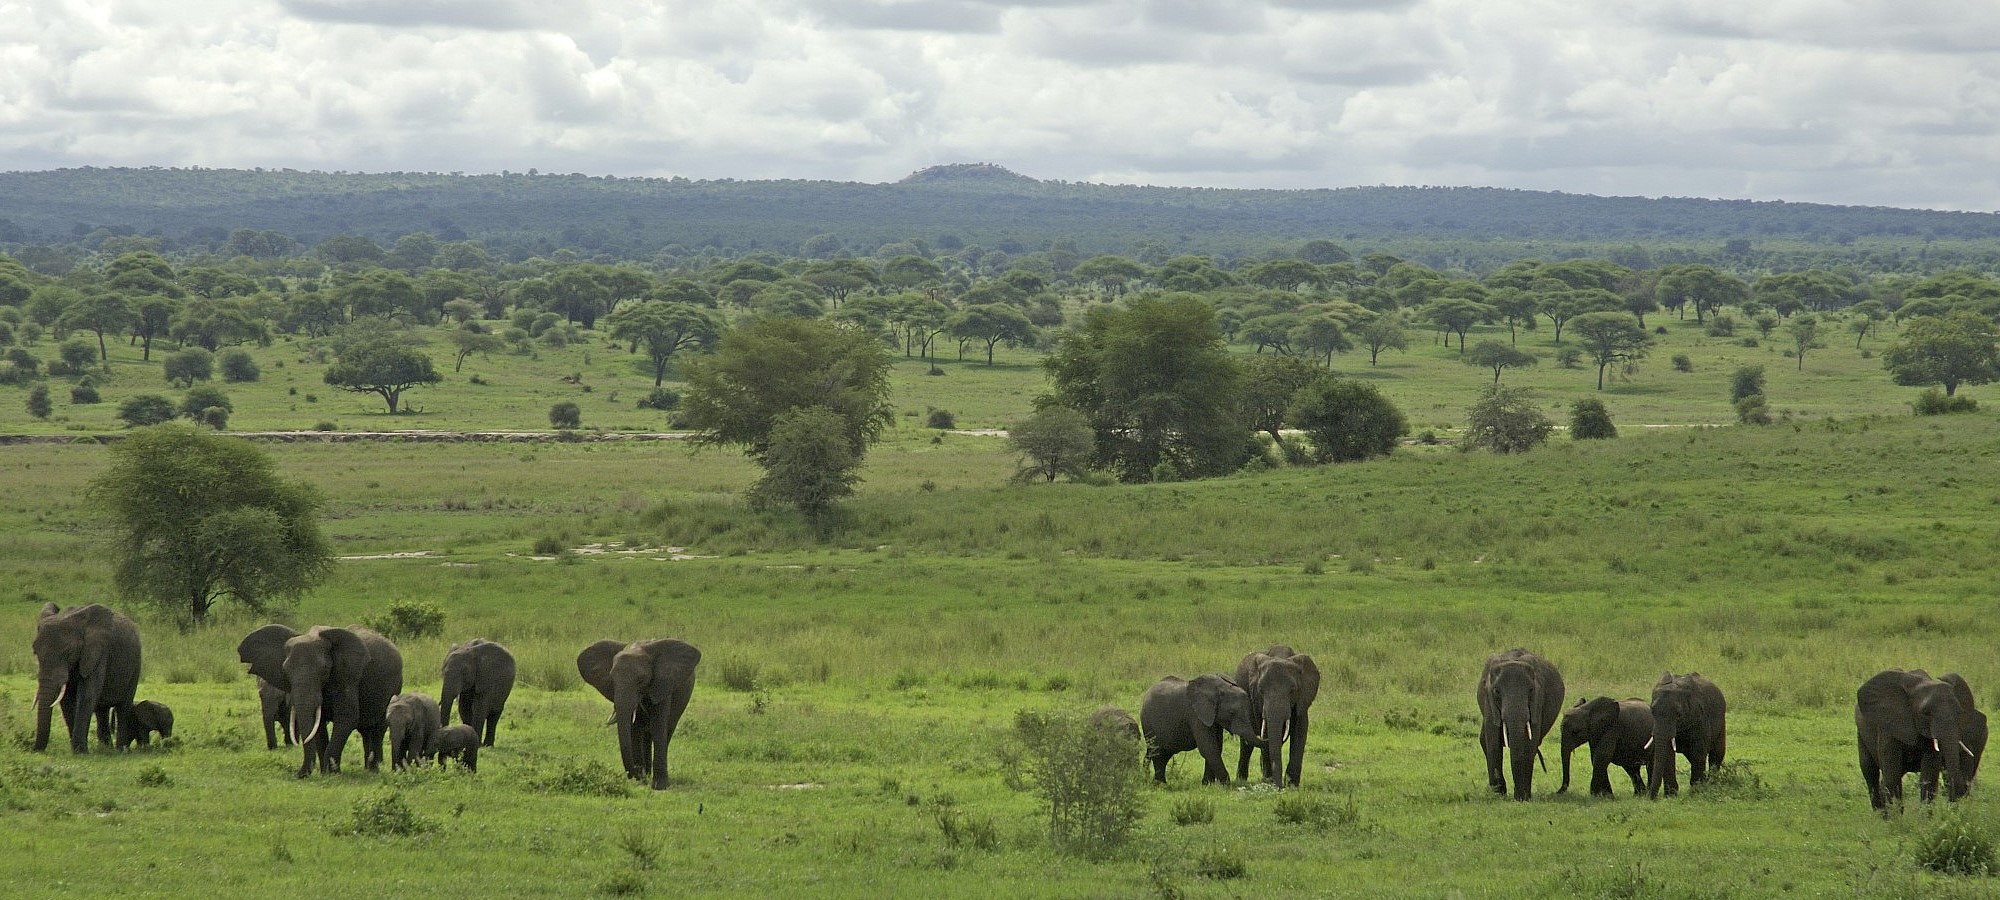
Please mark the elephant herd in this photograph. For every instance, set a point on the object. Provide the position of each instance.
(320, 687)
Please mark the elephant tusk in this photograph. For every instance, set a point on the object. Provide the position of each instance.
(1675, 746)
(1531, 732)
(1648, 745)
(1544, 760)
(1968, 750)
(1934, 746)
(61, 694)
(317, 719)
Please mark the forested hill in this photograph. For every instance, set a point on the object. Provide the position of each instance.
(979, 204)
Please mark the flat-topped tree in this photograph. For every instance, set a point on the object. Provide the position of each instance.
(376, 357)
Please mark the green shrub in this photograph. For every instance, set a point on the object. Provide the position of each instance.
(203, 398)
(1682, 363)
(565, 415)
(84, 393)
(387, 815)
(325, 426)
(1933, 402)
(1752, 410)
(38, 401)
(551, 545)
(940, 418)
(739, 675)
(1506, 420)
(1955, 845)
(145, 409)
(408, 619)
(1346, 420)
(1220, 864)
(587, 778)
(188, 366)
(1315, 812)
(660, 399)
(1745, 381)
(1721, 326)
(1569, 358)
(1589, 421)
(154, 776)
(1095, 794)
(236, 366)
(1193, 811)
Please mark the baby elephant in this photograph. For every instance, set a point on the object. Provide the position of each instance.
(276, 709)
(1178, 715)
(459, 742)
(144, 719)
(414, 724)
(1115, 720)
(1618, 732)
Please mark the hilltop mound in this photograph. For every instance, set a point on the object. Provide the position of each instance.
(979, 173)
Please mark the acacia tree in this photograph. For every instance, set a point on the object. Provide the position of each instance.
(1346, 420)
(663, 329)
(1384, 332)
(1498, 356)
(992, 324)
(1610, 337)
(774, 365)
(1055, 440)
(199, 517)
(1157, 386)
(373, 358)
(1804, 330)
(1949, 350)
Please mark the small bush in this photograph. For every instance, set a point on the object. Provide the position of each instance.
(660, 399)
(1569, 358)
(940, 418)
(38, 402)
(1721, 326)
(1589, 420)
(1318, 813)
(84, 394)
(1753, 410)
(1955, 845)
(1094, 792)
(739, 675)
(565, 415)
(387, 815)
(236, 366)
(551, 545)
(1933, 402)
(188, 366)
(203, 398)
(145, 409)
(641, 845)
(408, 619)
(214, 417)
(1220, 864)
(325, 426)
(1745, 381)
(1193, 811)
(1748, 342)
(1506, 420)
(588, 778)
(154, 776)
(1682, 363)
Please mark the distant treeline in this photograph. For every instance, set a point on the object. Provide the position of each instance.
(516, 216)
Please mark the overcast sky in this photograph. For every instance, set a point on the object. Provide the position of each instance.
(1838, 101)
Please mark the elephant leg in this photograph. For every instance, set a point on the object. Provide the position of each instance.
(336, 746)
(313, 755)
(104, 726)
(1892, 776)
(270, 735)
(1489, 741)
(1296, 764)
(1698, 764)
(1159, 762)
(1208, 742)
(1600, 776)
(1244, 751)
(1871, 774)
(371, 748)
(1638, 783)
(1929, 765)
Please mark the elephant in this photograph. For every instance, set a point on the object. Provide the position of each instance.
(414, 724)
(1520, 698)
(276, 711)
(648, 683)
(478, 676)
(460, 742)
(144, 719)
(1903, 721)
(339, 681)
(1177, 715)
(1689, 718)
(1115, 720)
(1618, 732)
(1281, 685)
(88, 660)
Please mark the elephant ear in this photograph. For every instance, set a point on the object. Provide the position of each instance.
(346, 652)
(93, 624)
(673, 666)
(1203, 698)
(1601, 713)
(1248, 669)
(594, 664)
(1961, 690)
(264, 650)
(1884, 702)
(1308, 679)
(48, 609)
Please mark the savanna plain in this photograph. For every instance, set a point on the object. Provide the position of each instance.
(852, 729)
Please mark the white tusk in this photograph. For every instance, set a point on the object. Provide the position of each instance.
(1934, 746)
(1531, 732)
(1968, 750)
(1676, 745)
(1648, 745)
(317, 719)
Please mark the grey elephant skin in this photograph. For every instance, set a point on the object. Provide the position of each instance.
(460, 742)
(1177, 715)
(339, 681)
(413, 729)
(1520, 699)
(88, 663)
(1617, 732)
(1907, 721)
(275, 712)
(1115, 720)
(1690, 717)
(649, 684)
(1282, 686)
(145, 719)
(478, 677)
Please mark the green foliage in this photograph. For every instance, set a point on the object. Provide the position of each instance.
(1589, 420)
(1498, 357)
(580, 778)
(661, 399)
(1956, 349)
(1954, 843)
(408, 619)
(386, 815)
(940, 418)
(185, 367)
(1095, 793)
(237, 366)
(1056, 441)
(807, 464)
(377, 360)
(197, 518)
(200, 399)
(1569, 358)
(565, 414)
(1221, 864)
(1745, 381)
(1753, 410)
(1683, 363)
(1193, 811)
(771, 366)
(84, 393)
(1315, 811)
(1346, 420)
(1933, 402)
(1506, 420)
(153, 776)
(141, 410)
(38, 401)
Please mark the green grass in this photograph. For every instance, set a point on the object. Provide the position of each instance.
(886, 659)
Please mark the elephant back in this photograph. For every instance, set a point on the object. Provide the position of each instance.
(381, 676)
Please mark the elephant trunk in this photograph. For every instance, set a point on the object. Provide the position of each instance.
(48, 692)
(1663, 745)
(1567, 748)
(454, 683)
(1518, 734)
(626, 711)
(1947, 746)
(308, 729)
(1277, 726)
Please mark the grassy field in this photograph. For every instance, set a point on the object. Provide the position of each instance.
(858, 690)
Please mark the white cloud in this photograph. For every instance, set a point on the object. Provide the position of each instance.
(1862, 101)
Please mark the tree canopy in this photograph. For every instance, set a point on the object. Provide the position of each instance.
(1950, 350)
(771, 365)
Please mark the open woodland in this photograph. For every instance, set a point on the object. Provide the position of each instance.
(858, 690)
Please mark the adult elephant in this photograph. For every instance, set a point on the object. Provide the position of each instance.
(338, 680)
(1520, 698)
(1177, 715)
(413, 729)
(1907, 720)
(1617, 731)
(648, 684)
(478, 677)
(1689, 718)
(88, 663)
(1281, 685)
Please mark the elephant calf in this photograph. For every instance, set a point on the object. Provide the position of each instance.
(460, 742)
(1115, 720)
(1690, 718)
(1618, 732)
(414, 724)
(1177, 715)
(144, 719)
(276, 711)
